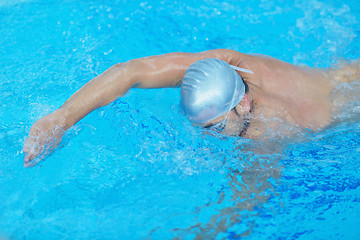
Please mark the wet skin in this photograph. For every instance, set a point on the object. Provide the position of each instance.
(280, 93)
(298, 96)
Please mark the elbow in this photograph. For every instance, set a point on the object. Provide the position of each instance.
(129, 71)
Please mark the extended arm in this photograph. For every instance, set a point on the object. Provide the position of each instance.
(150, 72)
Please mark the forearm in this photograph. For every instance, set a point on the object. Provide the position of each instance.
(98, 92)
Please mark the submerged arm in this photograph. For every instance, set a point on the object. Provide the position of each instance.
(150, 72)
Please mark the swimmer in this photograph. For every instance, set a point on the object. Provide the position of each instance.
(231, 92)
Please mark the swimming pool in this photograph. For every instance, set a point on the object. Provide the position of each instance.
(136, 169)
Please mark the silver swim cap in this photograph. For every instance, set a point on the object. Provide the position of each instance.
(211, 88)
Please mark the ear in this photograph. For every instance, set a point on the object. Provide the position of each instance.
(243, 107)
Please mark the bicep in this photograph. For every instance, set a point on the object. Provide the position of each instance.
(168, 70)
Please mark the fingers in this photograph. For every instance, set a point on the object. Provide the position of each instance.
(32, 163)
(29, 164)
(28, 157)
(36, 156)
(42, 140)
(36, 146)
(32, 151)
(27, 149)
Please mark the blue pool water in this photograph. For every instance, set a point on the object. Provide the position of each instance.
(136, 169)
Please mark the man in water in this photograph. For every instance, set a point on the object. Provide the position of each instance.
(298, 96)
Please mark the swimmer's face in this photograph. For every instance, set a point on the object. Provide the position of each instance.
(233, 122)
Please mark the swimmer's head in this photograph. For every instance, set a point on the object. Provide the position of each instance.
(211, 88)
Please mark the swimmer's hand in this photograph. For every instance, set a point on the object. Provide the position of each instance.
(45, 135)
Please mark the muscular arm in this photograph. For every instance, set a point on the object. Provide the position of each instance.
(150, 72)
